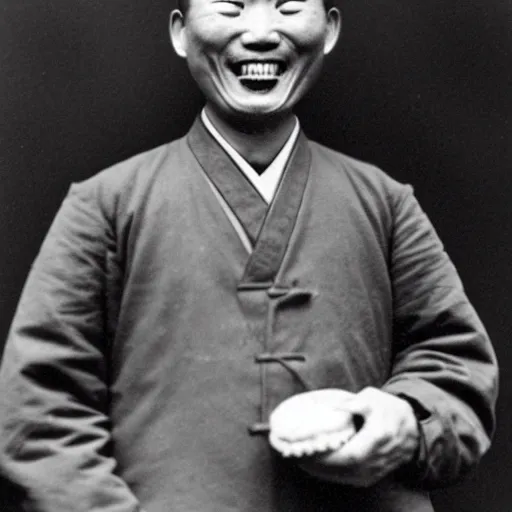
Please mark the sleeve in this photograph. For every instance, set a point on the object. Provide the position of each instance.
(55, 441)
(444, 364)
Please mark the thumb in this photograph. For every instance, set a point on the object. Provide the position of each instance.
(358, 404)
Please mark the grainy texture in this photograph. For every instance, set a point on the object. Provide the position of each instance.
(130, 371)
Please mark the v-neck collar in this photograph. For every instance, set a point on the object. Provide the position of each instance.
(269, 227)
(238, 192)
(265, 183)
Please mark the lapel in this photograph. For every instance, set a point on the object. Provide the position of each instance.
(269, 227)
(238, 192)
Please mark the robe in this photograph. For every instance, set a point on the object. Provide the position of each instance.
(150, 346)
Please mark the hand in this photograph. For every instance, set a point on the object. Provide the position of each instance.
(388, 438)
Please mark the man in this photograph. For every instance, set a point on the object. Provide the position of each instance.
(180, 296)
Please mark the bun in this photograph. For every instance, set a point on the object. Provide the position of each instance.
(311, 422)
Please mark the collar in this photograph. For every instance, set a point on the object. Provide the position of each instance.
(266, 183)
(269, 227)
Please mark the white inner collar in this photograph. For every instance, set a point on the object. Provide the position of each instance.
(266, 182)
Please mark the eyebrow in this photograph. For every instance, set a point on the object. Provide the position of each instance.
(279, 2)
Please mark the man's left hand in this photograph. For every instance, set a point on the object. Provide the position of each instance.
(388, 438)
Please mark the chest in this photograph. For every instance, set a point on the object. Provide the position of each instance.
(181, 292)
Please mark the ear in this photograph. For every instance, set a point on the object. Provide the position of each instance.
(177, 31)
(333, 29)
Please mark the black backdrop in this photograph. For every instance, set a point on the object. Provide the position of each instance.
(421, 88)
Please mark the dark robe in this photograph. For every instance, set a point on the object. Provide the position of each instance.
(150, 346)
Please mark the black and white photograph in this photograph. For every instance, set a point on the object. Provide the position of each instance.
(256, 256)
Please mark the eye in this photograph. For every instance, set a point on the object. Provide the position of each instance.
(229, 8)
(290, 6)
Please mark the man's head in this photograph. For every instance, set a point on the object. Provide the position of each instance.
(254, 58)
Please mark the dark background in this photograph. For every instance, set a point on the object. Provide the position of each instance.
(421, 88)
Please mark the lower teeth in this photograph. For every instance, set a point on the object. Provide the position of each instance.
(258, 77)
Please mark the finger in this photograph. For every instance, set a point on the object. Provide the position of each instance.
(373, 438)
(362, 475)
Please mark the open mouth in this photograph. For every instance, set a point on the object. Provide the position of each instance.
(258, 76)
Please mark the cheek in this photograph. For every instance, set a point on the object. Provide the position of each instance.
(307, 35)
(208, 34)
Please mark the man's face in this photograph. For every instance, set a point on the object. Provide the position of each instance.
(254, 58)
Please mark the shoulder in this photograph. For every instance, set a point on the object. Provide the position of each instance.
(366, 183)
(359, 172)
(116, 189)
(133, 173)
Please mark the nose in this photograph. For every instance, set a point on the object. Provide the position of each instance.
(260, 33)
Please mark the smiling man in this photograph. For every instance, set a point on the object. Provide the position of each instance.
(182, 295)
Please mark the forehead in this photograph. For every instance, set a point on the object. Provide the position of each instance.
(184, 5)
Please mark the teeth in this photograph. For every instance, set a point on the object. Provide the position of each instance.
(260, 70)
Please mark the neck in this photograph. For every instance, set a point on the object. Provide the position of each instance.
(258, 142)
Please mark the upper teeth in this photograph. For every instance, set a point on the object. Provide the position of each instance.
(260, 70)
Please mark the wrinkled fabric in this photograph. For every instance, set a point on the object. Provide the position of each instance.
(141, 362)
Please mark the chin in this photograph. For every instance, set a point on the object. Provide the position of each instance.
(266, 105)
(260, 109)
